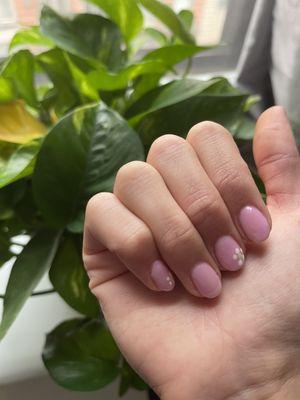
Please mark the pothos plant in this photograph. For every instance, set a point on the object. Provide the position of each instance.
(80, 97)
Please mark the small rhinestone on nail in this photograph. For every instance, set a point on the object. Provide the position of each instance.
(239, 256)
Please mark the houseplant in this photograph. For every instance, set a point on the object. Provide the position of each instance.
(72, 111)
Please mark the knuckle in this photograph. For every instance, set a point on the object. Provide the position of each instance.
(98, 201)
(231, 178)
(166, 146)
(134, 173)
(134, 244)
(176, 235)
(202, 206)
(208, 131)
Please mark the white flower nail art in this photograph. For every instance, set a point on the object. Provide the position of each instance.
(239, 256)
(169, 280)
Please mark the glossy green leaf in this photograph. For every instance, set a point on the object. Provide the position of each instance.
(169, 18)
(19, 68)
(81, 355)
(244, 128)
(102, 79)
(20, 164)
(69, 278)
(185, 107)
(88, 36)
(7, 90)
(168, 94)
(81, 81)
(157, 35)
(187, 18)
(27, 271)
(80, 157)
(172, 55)
(30, 36)
(130, 379)
(55, 65)
(124, 13)
(143, 85)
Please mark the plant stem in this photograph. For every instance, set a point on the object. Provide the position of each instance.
(41, 293)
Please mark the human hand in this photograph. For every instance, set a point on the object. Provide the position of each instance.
(187, 211)
(245, 343)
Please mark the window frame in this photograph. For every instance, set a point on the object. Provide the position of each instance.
(226, 56)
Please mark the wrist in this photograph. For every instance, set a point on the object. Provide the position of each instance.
(273, 377)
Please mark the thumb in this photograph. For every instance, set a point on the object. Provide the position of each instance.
(277, 158)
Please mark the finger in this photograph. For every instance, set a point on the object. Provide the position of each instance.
(230, 174)
(277, 158)
(110, 226)
(142, 190)
(176, 161)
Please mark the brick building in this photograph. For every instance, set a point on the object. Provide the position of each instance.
(209, 14)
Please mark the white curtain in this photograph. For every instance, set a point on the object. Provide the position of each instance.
(270, 61)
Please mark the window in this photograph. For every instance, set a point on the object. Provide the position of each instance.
(227, 20)
(215, 21)
(6, 13)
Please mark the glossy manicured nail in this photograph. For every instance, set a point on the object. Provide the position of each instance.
(162, 277)
(229, 254)
(206, 280)
(254, 224)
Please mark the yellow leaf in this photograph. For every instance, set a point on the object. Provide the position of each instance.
(17, 125)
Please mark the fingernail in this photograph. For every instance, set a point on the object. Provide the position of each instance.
(206, 280)
(162, 277)
(229, 254)
(254, 224)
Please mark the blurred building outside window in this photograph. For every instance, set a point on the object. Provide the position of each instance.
(210, 20)
(209, 14)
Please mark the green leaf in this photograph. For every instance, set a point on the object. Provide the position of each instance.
(81, 355)
(157, 35)
(243, 128)
(169, 94)
(176, 107)
(20, 164)
(30, 36)
(143, 85)
(54, 64)
(87, 35)
(7, 90)
(168, 17)
(187, 18)
(27, 271)
(172, 55)
(80, 157)
(69, 279)
(124, 13)
(130, 379)
(19, 68)
(102, 79)
(82, 83)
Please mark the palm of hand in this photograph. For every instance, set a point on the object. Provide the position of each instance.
(182, 344)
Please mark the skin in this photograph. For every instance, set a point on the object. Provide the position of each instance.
(245, 343)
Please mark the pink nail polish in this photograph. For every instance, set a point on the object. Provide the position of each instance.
(229, 254)
(206, 280)
(254, 224)
(162, 277)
